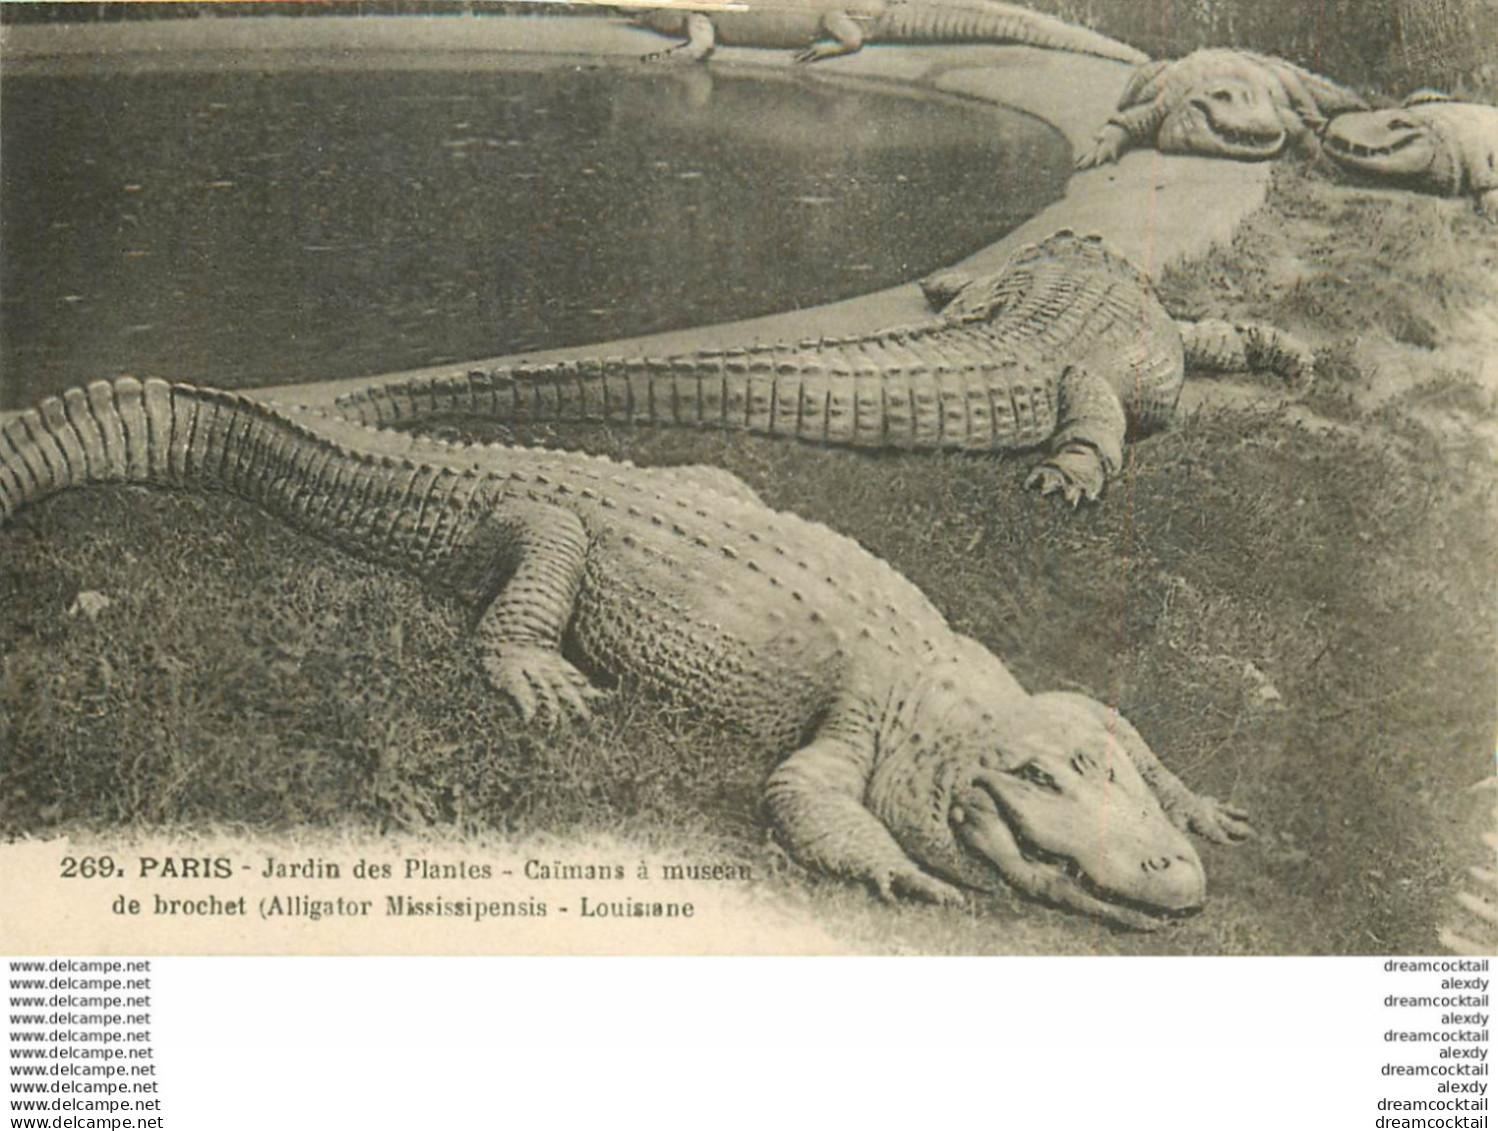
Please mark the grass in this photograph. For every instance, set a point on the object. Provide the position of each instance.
(1293, 606)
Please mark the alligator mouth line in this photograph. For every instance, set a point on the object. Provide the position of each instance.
(1355, 149)
(1246, 139)
(1071, 871)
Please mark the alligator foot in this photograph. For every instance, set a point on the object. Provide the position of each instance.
(1104, 149)
(1075, 471)
(818, 51)
(1487, 204)
(912, 883)
(541, 684)
(701, 39)
(1211, 819)
(675, 55)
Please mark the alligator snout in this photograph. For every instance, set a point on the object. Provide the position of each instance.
(1177, 883)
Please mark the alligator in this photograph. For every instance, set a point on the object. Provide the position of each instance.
(1432, 142)
(1220, 103)
(913, 759)
(1066, 346)
(806, 24)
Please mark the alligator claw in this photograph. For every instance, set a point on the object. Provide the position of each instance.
(1100, 152)
(541, 685)
(1216, 821)
(916, 884)
(1050, 478)
(818, 51)
(674, 55)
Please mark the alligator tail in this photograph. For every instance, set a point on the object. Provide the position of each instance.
(1226, 347)
(812, 393)
(151, 432)
(987, 21)
(128, 431)
(313, 476)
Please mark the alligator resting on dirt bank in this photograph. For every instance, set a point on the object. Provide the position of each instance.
(1433, 142)
(914, 761)
(801, 24)
(1219, 102)
(1067, 346)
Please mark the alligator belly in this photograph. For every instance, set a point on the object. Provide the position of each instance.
(769, 27)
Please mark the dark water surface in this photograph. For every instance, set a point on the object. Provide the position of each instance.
(254, 229)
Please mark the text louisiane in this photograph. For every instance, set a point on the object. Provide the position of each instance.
(628, 908)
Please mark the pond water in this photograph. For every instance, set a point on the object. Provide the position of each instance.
(267, 228)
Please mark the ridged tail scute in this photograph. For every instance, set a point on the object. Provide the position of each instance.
(130, 431)
(1229, 348)
(986, 21)
(105, 433)
(824, 392)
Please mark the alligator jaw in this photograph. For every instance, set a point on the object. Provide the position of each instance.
(1245, 144)
(983, 827)
(1259, 145)
(1356, 149)
(1393, 158)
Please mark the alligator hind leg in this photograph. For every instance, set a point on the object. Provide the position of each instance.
(1087, 449)
(815, 801)
(1209, 818)
(702, 40)
(520, 632)
(847, 38)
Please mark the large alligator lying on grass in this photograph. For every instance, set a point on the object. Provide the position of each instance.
(1432, 142)
(915, 760)
(1220, 103)
(1066, 346)
(805, 24)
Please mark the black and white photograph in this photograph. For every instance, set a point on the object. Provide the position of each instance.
(908, 477)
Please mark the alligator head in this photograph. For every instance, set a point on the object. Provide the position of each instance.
(1230, 117)
(1043, 796)
(1383, 143)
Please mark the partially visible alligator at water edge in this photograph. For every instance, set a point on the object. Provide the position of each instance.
(805, 24)
(1067, 346)
(914, 759)
(1433, 142)
(1219, 102)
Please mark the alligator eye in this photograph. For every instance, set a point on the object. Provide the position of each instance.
(1222, 96)
(1401, 124)
(1033, 774)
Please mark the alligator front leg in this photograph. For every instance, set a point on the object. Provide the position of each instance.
(815, 801)
(847, 37)
(520, 632)
(1087, 449)
(702, 40)
(1209, 818)
(1107, 146)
